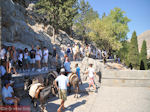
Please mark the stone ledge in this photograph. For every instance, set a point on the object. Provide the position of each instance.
(126, 82)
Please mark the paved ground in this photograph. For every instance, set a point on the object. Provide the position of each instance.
(108, 99)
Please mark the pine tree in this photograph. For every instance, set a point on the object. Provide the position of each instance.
(133, 55)
(59, 13)
(143, 56)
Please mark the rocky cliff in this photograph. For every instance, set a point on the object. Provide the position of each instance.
(22, 27)
(144, 36)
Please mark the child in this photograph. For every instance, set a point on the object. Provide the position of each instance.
(78, 72)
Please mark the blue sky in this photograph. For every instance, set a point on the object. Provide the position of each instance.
(136, 10)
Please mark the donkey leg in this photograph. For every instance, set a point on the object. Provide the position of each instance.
(77, 89)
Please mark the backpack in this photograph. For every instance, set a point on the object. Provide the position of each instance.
(68, 50)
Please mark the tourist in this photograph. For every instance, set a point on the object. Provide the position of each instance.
(12, 63)
(8, 58)
(38, 57)
(32, 56)
(94, 53)
(68, 51)
(54, 52)
(67, 66)
(15, 57)
(78, 72)
(77, 52)
(91, 72)
(82, 54)
(2, 54)
(8, 94)
(87, 53)
(74, 52)
(62, 55)
(89, 50)
(25, 60)
(2, 68)
(63, 82)
(104, 57)
(99, 54)
(45, 59)
(20, 60)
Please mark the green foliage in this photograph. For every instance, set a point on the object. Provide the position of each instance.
(109, 31)
(85, 16)
(133, 55)
(60, 13)
(143, 56)
(123, 52)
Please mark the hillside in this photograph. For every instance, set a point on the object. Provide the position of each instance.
(23, 27)
(144, 36)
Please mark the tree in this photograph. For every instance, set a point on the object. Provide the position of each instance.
(123, 52)
(109, 31)
(120, 22)
(59, 13)
(143, 56)
(133, 55)
(85, 16)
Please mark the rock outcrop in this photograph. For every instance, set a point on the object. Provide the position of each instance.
(145, 36)
(21, 24)
(15, 27)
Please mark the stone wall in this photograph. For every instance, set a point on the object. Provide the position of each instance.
(136, 78)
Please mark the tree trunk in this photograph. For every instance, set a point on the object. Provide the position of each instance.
(54, 34)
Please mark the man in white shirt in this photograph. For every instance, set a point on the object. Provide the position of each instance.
(91, 72)
(45, 58)
(2, 53)
(63, 82)
(67, 65)
(8, 94)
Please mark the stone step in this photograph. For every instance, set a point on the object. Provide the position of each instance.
(125, 82)
(126, 74)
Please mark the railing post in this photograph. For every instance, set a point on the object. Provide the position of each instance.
(0, 48)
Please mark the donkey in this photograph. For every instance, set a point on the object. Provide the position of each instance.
(74, 81)
(41, 87)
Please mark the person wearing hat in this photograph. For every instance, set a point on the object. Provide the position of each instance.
(8, 94)
(63, 82)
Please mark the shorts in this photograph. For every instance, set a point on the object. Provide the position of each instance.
(45, 60)
(20, 63)
(12, 64)
(63, 94)
(32, 61)
(25, 61)
(91, 81)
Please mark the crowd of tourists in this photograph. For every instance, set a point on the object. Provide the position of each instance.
(17, 60)
(38, 59)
